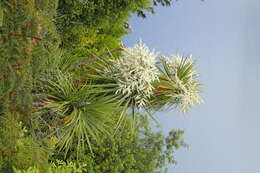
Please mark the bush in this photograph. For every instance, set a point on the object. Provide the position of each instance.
(95, 26)
(139, 150)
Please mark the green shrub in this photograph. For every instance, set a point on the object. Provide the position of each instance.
(131, 150)
(29, 170)
(87, 42)
(19, 148)
(93, 27)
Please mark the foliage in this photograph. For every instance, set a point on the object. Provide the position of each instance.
(139, 150)
(20, 35)
(94, 13)
(16, 77)
(67, 85)
(58, 167)
(144, 83)
(18, 148)
(47, 49)
(87, 42)
(92, 27)
(29, 170)
(177, 84)
(79, 110)
(71, 167)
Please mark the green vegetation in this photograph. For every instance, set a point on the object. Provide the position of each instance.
(73, 99)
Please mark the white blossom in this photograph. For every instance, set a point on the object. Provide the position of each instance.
(189, 94)
(134, 72)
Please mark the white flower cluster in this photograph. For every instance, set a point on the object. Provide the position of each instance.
(135, 71)
(189, 88)
(176, 61)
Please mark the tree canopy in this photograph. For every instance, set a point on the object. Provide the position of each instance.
(73, 98)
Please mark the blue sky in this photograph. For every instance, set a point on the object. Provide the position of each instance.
(224, 37)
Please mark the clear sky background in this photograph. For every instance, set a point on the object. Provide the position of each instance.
(224, 37)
